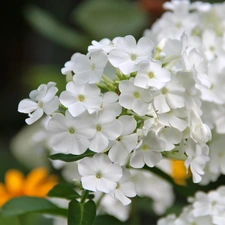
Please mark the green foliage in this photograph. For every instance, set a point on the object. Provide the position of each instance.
(106, 219)
(63, 191)
(47, 25)
(81, 213)
(8, 220)
(106, 18)
(71, 157)
(97, 18)
(22, 205)
(42, 74)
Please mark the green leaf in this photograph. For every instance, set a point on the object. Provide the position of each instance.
(107, 18)
(63, 191)
(42, 74)
(22, 205)
(47, 25)
(71, 157)
(106, 219)
(81, 213)
(34, 219)
(9, 220)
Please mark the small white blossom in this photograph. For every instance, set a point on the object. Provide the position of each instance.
(81, 97)
(125, 143)
(89, 68)
(106, 45)
(42, 100)
(99, 173)
(127, 53)
(107, 128)
(169, 97)
(110, 102)
(175, 118)
(148, 152)
(152, 186)
(199, 131)
(125, 188)
(69, 65)
(151, 74)
(114, 208)
(133, 97)
(197, 159)
(71, 134)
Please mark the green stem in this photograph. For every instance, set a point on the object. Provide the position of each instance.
(107, 79)
(84, 196)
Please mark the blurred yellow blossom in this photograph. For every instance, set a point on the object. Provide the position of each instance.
(178, 172)
(37, 183)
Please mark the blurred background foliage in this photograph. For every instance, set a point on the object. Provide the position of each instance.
(39, 36)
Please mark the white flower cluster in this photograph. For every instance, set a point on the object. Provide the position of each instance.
(207, 209)
(204, 23)
(130, 103)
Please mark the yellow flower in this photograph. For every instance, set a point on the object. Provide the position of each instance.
(37, 183)
(178, 172)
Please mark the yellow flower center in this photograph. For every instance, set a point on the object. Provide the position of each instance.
(81, 98)
(133, 57)
(151, 75)
(136, 94)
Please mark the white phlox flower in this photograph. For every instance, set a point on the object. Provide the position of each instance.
(110, 102)
(106, 45)
(69, 65)
(152, 186)
(99, 173)
(219, 119)
(107, 128)
(148, 151)
(209, 204)
(125, 188)
(199, 131)
(194, 61)
(71, 134)
(178, 6)
(211, 44)
(168, 220)
(42, 100)
(126, 142)
(217, 155)
(127, 53)
(173, 51)
(133, 97)
(217, 79)
(89, 68)
(151, 74)
(174, 118)
(173, 24)
(204, 208)
(201, 6)
(208, 176)
(219, 219)
(79, 98)
(169, 97)
(153, 123)
(197, 159)
(114, 207)
(171, 136)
